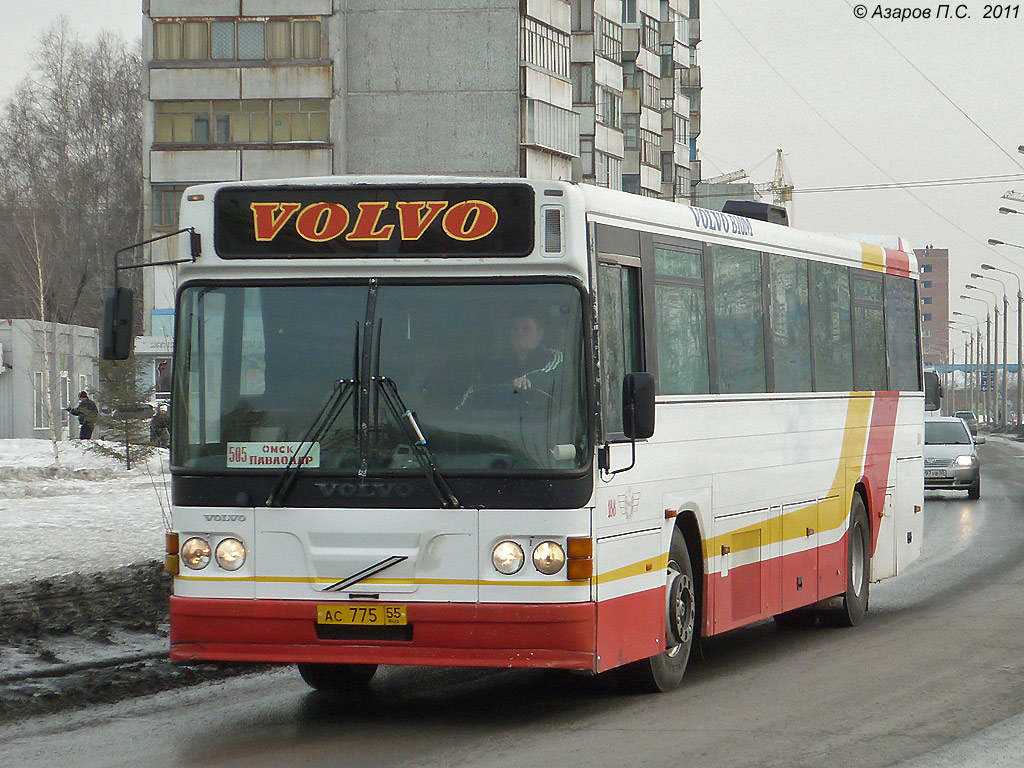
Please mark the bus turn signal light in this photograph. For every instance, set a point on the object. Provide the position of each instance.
(580, 546)
(580, 569)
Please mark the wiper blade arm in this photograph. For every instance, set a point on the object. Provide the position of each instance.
(418, 442)
(334, 405)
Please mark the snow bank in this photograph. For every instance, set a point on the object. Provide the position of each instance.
(84, 513)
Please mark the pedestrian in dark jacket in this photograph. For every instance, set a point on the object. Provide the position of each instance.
(86, 412)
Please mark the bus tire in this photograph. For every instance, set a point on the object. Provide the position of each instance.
(337, 678)
(664, 672)
(858, 570)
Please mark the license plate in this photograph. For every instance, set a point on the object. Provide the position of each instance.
(362, 615)
(935, 473)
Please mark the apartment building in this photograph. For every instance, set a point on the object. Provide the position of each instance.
(599, 91)
(934, 266)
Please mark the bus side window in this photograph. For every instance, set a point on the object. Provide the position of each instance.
(618, 289)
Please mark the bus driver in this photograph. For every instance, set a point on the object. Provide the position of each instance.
(524, 364)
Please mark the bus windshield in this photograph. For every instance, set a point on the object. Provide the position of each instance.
(492, 371)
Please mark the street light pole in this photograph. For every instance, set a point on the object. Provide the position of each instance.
(985, 375)
(994, 363)
(1006, 325)
(975, 360)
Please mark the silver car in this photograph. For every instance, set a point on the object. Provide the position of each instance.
(950, 456)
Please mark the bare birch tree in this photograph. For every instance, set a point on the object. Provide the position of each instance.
(71, 164)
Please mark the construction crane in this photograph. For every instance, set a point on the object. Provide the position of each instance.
(780, 190)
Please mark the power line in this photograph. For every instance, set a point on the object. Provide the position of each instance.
(952, 182)
(942, 93)
(842, 136)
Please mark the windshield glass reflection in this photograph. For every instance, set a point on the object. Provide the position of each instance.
(493, 373)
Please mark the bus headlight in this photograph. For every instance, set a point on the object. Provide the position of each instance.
(548, 558)
(230, 554)
(508, 557)
(195, 553)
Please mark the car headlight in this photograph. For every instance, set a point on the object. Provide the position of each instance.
(195, 553)
(508, 557)
(230, 554)
(548, 558)
(964, 461)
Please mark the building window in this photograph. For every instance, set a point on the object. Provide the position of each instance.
(607, 38)
(587, 156)
(166, 204)
(608, 108)
(252, 121)
(926, 283)
(648, 85)
(631, 130)
(582, 83)
(926, 300)
(544, 47)
(251, 44)
(607, 170)
(650, 148)
(926, 317)
(166, 42)
(926, 267)
(40, 409)
(679, 130)
(650, 38)
(203, 39)
(629, 11)
(667, 167)
(222, 40)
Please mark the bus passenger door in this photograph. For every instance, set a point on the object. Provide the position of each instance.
(799, 555)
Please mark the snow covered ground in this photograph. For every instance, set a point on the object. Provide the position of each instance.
(81, 513)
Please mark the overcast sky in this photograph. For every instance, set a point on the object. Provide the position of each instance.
(850, 101)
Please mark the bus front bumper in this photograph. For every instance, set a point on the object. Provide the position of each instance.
(558, 635)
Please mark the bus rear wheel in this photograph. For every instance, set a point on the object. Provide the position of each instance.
(858, 570)
(337, 678)
(664, 672)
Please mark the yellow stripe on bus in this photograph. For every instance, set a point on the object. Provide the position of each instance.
(648, 565)
(872, 257)
(819, 516)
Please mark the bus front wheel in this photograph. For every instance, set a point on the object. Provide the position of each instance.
(858, 570)
(337, 678)
(665, 671)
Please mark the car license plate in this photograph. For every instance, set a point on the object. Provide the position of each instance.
(362, 615)
(935, 473)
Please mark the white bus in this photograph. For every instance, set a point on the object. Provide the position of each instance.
(518, 423)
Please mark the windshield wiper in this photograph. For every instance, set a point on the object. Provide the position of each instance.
(417, 441)
(333, 406)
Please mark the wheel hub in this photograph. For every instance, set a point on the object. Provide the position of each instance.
(679, 615)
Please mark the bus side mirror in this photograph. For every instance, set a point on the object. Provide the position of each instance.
(932, 391)
(638, 405)
(116, 341)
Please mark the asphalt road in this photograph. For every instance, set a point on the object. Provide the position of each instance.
(938, 661)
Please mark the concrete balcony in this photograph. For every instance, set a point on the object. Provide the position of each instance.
(545, 126)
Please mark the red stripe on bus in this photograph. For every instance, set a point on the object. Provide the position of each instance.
(897, 262)
(760, 590)
(878, 458)
(558, 635)
(630, 628)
